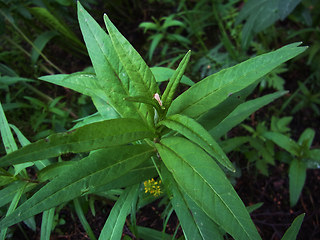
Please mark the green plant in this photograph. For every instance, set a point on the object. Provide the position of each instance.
(139, 134)
(162, 33)
(301, 158)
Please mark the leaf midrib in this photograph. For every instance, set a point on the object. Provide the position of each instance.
(68, 185)
(209, 187)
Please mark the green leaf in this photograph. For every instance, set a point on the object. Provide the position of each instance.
(112, 77)
(24, 141)
(39, 44)
(214, 89)
(8, 193)
(113, 227)
(215, 115)
(186, 219)
(206, 184)
(293, 230)
(138, 72)
(151, 234)
(46, 224)
(137, 175)
(99, 168)
(174, 81)
(297, 177)
(163, 74)
(306, 138)
(207, 227)
(286, 7)
(241, 112)
(196, 133)
(82, 82)
(283, 141)
(155, 41)
(54, 23)
(89, 137)
(6, 135)
(82, 218)
(12, 207)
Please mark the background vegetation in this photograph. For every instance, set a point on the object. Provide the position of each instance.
(42, 37)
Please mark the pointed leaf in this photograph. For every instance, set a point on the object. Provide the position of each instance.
(46, 224)
(206, 184)
(196, 133)
(241, 112)
(188, 224)
(112, 77)
(99, 168)
(214, 89)
(174, 81)
(139, 73)
(89, 137)
(85, 83)
(283, 141)
(113, 227)
(297, 178)
(163, 74)
(293, 230)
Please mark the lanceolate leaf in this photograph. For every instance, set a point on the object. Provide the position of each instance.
(196, 133)
(111, 75)
(297, 177)
(99, 168)
(163, 74)
(242, 112)
(139, 73)
(214, 89)
(188, 224)
(85, 83)
(175, 80)
(113, 227)
(89, 137)
(283, 141)
(206, 184)
(293, 230)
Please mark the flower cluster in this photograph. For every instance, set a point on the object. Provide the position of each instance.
(153, 187)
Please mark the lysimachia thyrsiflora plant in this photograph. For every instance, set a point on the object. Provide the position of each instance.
(138, 134)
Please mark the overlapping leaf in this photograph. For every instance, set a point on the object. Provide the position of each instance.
(89, 137)
(113, 227)
(174, 81)
(214, 89)
(241, 112)
(99, 168)
(141, 77)
(196, 133)
(111, 75)
(206, 184)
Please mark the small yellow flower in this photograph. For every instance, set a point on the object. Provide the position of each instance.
(153, 187)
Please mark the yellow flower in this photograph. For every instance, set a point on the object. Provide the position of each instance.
(153, 187)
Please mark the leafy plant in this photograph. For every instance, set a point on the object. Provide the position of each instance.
(301, 158)
(162, 34)
(139, 134)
